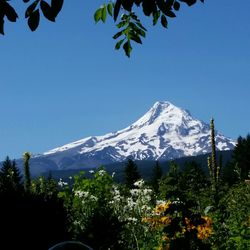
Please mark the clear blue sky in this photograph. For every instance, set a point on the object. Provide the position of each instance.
(66, 82)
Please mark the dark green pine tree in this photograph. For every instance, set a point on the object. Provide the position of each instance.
(239, 167)
(241, 157)
(27, 178)
(131, 173)
(169, 185)
(156, 176)
(10, 177)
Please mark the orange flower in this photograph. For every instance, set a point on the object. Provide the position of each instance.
(162, 207)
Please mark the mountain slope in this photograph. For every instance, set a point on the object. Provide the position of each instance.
(165, 132)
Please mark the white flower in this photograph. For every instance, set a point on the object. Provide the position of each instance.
(158, 202)
(91, 171)
(132, 219)
(147, 191)
(62, 183)
(93, 198)
(81, 194)
(134, 192)
(101, 172)
(139, 183)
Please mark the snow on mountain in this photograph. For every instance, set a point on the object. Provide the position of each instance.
(165, 132)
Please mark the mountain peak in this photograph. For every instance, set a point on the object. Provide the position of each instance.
(162, 104)
(161, 111)
(164, 132)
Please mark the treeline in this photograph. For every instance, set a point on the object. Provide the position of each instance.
(181, 209)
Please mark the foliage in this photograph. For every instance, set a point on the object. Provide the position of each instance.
(186, 213)
(122, 11)
(31, 221)
(180, 227)
(27, 178)
(130, 208)
(232, 228)
(195, 185)
(47, 188)
(214, 168)
(10, 177)
(90, 217)
(170, 183)
(156, 176)
(131, 173)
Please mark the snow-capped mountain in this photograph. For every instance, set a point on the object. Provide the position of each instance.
(164, 132)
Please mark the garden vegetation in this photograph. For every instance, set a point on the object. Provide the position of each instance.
(182, 209)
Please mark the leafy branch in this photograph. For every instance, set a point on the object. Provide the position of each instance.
(121, 11)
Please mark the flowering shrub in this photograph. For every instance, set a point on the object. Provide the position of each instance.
(130, 208)
(177, 226)
(88, 208)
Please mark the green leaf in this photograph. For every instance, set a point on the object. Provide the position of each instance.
(127, 48)
(164, 21)
(170, 13)
(117, 8)
(135, 37)
(47, 11)
(134, 16)
(141, 26)
(104, 14)
(189, 2)
(207, 209)
(1, 26)
(34, 19)
(149, 7)
(56, 6)
(10, 12)
(110, 8)
(127, 5)
(31, 8)
(137, 30)
(98, 15)
(118, 34)
(118, 44)
(177, 5)
(156, 16)
(121, 24)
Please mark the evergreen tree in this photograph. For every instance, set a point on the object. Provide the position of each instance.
(131, 173)
(156, 176)
(169, 185)
(238, 169)
(193, 178)
(10, 176)
(45, 187)
(194, 184)
(27, 179)
(241, 157)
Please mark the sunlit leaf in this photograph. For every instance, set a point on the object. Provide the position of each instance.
(118, 44)
(98, 15)
(110, 8)
(104, 14)
(127, 48)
